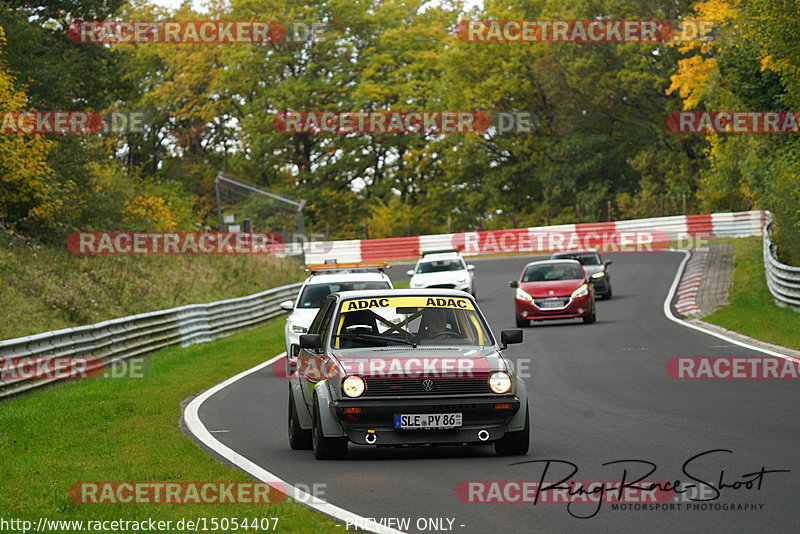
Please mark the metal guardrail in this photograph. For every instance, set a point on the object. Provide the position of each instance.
(110, 341)
(783, 280)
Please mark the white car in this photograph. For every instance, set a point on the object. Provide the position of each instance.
(326, 279)
(444, 269)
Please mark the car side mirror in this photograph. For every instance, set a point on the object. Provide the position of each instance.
(470, 267)
(510, 337)
(609, 262)
(513, 283)
(410, 272)
(590, 280)
(287, 305)
(310, 341)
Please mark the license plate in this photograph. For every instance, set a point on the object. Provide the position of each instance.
(427, 420)
(552, 304)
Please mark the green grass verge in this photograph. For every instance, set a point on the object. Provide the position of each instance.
(752, 310)
(127, 430)
(402, 284)
(44, 289)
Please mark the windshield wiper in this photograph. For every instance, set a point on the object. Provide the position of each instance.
(374, 337)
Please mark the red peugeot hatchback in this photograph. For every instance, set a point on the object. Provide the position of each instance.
(553, 289)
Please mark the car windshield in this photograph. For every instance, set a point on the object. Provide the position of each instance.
(584, 258)
(437, 266)
(412, 320)
(314, 294)
(552, 272)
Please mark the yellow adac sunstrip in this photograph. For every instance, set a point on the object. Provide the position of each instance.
(407, 302)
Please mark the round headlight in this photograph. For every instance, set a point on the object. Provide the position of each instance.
(500, 382)
(353, 386)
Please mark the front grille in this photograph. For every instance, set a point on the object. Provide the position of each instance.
(442, 286)
(413, 386)
(556, 303)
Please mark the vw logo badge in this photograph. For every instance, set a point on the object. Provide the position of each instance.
(427, 385)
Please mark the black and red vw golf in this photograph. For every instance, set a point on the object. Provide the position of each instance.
(553, 289)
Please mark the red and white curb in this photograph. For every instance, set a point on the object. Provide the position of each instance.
(690, 282)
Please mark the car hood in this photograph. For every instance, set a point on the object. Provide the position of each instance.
(442, 277)
(592, 269)
(422, 362)
(303, 316)
(552, 288)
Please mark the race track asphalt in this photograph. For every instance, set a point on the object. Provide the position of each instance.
(598, 393)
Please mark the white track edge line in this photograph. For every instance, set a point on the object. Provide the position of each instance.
(199, 430)
(671, 317)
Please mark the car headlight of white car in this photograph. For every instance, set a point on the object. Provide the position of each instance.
(522, 295)
(463, 279)
(416, 284)
(353, 386)
(297, 328)
(500, 382)
(581, 291)
(598, 275)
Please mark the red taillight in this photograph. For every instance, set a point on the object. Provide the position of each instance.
(352, 410)
(503, 406)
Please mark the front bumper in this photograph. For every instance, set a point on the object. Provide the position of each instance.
(578, 307)
(377, 415)
(601, 285)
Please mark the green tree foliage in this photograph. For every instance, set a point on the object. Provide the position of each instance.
(24, 192)
(600, 136)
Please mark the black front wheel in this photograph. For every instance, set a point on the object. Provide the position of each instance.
(325, 448)
(299, 439)
(515, 443)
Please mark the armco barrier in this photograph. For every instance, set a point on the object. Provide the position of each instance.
(675, 228)
(119, 339)
(783, 280)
